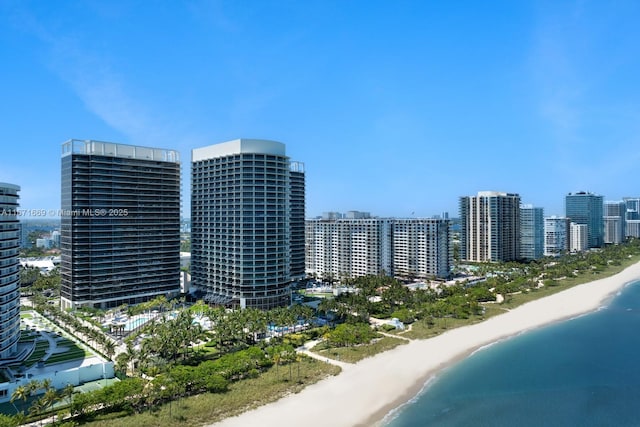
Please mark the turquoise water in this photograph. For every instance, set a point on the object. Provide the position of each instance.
(133, 324)
(582, 372)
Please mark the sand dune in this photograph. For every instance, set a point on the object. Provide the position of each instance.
(364, 393)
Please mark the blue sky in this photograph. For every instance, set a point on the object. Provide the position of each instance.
(395, 107)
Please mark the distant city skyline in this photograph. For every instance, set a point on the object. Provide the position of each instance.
(397, 109)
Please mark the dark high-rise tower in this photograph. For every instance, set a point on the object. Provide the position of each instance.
(120, 237)
(247, 204)
(297, 222)
(587, 209)
(9, 270)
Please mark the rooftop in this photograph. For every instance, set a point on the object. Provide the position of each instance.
(101, 148)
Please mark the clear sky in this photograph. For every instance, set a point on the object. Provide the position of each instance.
(395, 107)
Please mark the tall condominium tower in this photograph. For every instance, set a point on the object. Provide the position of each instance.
(531, 232)
(352, 245)
(614, 222)
(422, 248)
(490, 225)
(120, 236)
(9, 271)
(587, 208)
(556, 236)
(341, 248)
(247, 204)
(579, 240)
(297, 206)
(632, 216)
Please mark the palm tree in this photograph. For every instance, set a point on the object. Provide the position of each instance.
(109, 348)
(67, 392)
(122, 362)
(20, 393)
(275, 355)
(33, 386)
(255, 322)
(302, 313)
(45, 384)
(36, 408)
(50, 397)
(288, 356)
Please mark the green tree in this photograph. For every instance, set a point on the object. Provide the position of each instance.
(20, 393)
(49, 398)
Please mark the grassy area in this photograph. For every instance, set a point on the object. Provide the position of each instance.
(355, 353)
(26, 336)
(422, 330)
(72, 354)
(26, 315)
(242, 396)
(513, 301)
(38, 353)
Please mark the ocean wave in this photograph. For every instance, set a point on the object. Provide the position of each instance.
(395, 412)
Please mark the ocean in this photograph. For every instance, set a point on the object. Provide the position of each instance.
(580, 372)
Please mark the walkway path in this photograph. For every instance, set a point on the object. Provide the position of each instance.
(306, 350)
(394, 335)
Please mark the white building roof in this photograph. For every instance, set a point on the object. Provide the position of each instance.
(238, 146)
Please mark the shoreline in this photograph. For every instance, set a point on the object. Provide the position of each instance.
(380, 418)
(374, 387)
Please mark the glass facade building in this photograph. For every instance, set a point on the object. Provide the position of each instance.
(9, 271)
(587, 208)
(247, 215)
(531, 232)
(120, 224)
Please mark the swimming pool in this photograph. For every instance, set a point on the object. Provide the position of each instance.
(132, 324)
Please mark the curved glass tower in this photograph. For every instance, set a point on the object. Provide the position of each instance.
(9, 270)
(241, 223)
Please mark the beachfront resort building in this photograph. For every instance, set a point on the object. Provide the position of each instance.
(587, 209)
(120, 217)
(556, 236)
(422, 248)
(614, 222)
(247, 214)
(356, 244)
(531, 232)
(9, 271)
(344, 246)
(490, 227)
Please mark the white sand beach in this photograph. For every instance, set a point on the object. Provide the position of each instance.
(363, 393)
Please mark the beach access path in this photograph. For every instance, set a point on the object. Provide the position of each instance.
(306, 350)
(363, 393)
